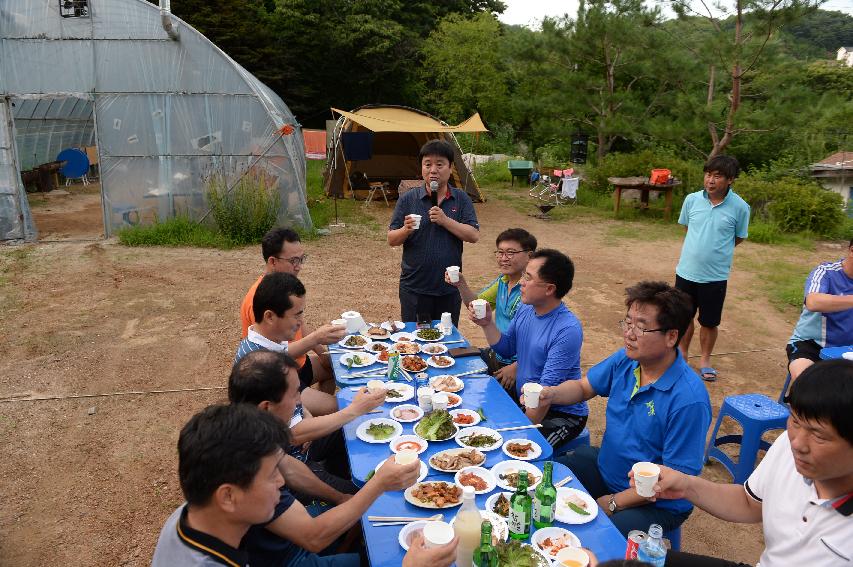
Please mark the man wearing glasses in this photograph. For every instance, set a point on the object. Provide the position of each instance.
(546, 337)
(657, 410)
(513, 248)
(283, 252)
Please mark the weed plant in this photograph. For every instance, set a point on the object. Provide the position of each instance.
(177, 231)
(246, 212)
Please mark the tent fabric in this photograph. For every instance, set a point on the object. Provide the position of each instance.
(358, 146)
(400, 133)
(315, 143)
(400, 119)
(166, 115)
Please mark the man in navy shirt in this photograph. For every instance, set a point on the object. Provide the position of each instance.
(447, 220)
(657, 410)
(547, 339)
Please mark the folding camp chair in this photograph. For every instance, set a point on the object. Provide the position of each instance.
(358, 181)
(549, 194)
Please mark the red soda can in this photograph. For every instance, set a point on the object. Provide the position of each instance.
(635, 538)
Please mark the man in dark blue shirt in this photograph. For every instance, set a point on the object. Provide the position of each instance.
(434, 241)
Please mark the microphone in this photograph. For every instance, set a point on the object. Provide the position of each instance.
(433, 188)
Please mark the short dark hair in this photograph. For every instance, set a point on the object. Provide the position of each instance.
(224, 444)
(726, 165)
(824, 392)
(273, 293)
(260, 376)
(556, 269)
(273, 241)
(675, 308)
(527, 240)
(437, 148)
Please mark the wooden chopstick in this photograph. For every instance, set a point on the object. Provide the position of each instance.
(469, 372)
(531, 426)
(566, 480)
(402, 518)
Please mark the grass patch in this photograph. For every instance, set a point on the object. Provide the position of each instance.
(178, 231)
(782, 281)
(322, 207)
(764, 232)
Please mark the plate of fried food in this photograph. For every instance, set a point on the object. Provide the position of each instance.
(498, 503)
(440, 361)
(507, 472)
(465, 417)
(453, 460)
(413, 363)
(446, 383)
(398, 392)
(522, 449)
(480, 479)
(482, 438)
(429, 335)
(575, 506)
(433, 348)
(355, 342)
(375, 332)
(435, 495)
(403, 337)
(553, 539)
(404, 347)
(376, 348)
(357, 359)
(453, 400)
(393, 325)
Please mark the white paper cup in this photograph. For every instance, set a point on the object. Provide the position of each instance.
(425, 394)
(437, 534)
(479, 308)
(339, 322)
(354, 321)
(405, 457)
(531, 394)
(453, 273)
(440, 401)
(374, 386)
(571, 556)
(645, 477)
(417, 219)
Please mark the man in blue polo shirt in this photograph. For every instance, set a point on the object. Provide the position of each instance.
(827, 317)
(716, 220)
(512, 252)
(657, 410)
(546, 337)
(447, 220)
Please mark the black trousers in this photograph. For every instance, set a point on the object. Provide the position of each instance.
(413, 305)
(681, 559)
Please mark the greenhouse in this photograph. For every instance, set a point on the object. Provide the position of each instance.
(155, 104)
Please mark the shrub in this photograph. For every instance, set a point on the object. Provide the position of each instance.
(177, 231)
(249, 210)
(492, 172)
(640, 164)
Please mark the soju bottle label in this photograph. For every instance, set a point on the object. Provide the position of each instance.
(517, 522)
(542, 513)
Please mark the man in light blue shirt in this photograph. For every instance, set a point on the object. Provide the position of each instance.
(716, 220)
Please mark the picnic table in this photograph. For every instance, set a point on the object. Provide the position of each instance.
(500, 409)
(644, 187)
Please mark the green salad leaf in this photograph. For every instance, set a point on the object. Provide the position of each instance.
(436, 426)
(380, 430)
(514, 554)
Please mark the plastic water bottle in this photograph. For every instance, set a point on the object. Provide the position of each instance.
(652, 550)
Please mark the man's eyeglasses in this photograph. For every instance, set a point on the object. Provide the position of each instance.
(626, 326)
(509, 254)
(295, 261)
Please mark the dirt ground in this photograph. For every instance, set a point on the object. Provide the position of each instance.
(89, 481)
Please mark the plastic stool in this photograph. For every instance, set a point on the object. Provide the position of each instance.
(674, 537)
(581, 440)
(756, 414)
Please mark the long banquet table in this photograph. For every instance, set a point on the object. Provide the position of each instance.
(480, 391)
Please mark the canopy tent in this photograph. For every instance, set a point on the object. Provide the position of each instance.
(383, 141)
(165, 107)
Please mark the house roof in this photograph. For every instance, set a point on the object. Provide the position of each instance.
(839, 163)
(842, 159)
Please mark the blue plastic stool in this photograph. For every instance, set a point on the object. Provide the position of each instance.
(581, 440)
(756, 414)
(674, 537)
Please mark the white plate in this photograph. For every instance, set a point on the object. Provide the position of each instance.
(407, 391)
(441, 336)
(453, 401)
(472, 413)
(361, 430)
(514, 466)
(485, 474)
(397, 441)
(414, 347)
(376, 348)
(413, 357)
(455, 427)
(532, 455)
(478, 430)
(415, 502)
(554, 533)
(566, 515)
(500, 529)
(409, 530)
(367, 358)
(403, 337)
(431, 362)
(365, 333)
(490, 502)
(413, 407)
(343, 341)
(433, 349)
(398, 326)
(458, 384)
(454, 452)
(421, 475)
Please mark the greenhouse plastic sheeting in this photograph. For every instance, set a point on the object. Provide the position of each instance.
(163, 112)
(16, 222)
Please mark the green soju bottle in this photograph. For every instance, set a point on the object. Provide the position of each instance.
(545, 499)
(519, 509)
(485, 555)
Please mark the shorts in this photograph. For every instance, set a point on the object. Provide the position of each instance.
(803, 349)
(306, 374)
(708, 299)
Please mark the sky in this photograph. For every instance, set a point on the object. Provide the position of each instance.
(531, 12)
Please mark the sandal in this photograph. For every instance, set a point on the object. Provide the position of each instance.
(708, 374)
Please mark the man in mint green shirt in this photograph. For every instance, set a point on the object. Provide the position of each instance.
(716, 220)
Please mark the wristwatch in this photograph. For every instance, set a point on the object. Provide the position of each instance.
(611, 505)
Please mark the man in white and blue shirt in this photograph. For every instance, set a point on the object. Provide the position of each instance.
(716, 220)
(827, 317)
